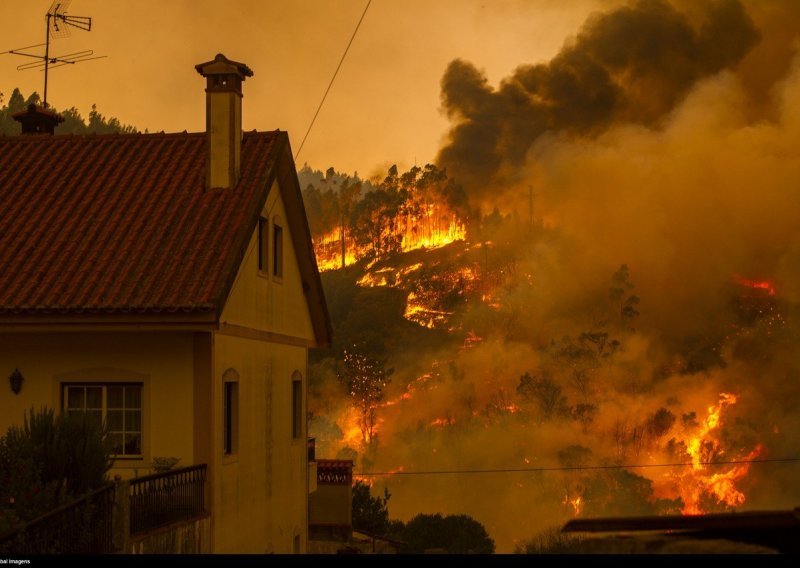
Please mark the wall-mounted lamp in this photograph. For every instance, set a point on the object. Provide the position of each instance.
(16, 379)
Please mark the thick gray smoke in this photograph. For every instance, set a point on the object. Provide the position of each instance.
(630, 65)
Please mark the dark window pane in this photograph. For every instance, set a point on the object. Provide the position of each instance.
(75, 397)
(114, 418)
(116, 443)
(133, 397)
(277, 252)
(231, 418)
(263, 243)
(133, 421)
(114, 397)
(96, 415)
(133, 444)
(297, 408)
(94, 397)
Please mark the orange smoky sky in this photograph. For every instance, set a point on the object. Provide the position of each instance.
(384, 107)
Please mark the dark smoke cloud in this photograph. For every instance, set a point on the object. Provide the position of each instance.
(634, 64)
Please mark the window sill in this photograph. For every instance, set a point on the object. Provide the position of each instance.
(228, 459)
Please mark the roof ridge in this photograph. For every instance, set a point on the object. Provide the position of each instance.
(125, 135)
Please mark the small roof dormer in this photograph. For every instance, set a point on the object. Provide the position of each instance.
(38, 120)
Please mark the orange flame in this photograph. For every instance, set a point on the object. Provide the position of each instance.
(697, 485)
(417, 312)
(436, 227)
(695, 447)
(576, 504)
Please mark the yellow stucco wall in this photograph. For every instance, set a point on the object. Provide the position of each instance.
(162, 362)
(331, 505)
(225, 127)
(260, 493)
(261, 301)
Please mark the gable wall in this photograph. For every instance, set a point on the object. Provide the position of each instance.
(260, 493)
(261, 301)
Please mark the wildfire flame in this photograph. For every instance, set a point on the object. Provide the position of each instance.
(416, 311)
(442, 422)
(695, 447)
(696, 486)
(436, 227)
(576, 504)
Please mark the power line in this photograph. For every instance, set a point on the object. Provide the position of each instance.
(322, 102)
(574, 468)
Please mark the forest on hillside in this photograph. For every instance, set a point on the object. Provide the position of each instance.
(74, 122)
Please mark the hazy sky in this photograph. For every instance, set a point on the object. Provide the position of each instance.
(384, 107)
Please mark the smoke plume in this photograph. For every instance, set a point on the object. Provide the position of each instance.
(632, 65)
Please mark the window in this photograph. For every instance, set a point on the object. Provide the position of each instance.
(277, 252)
(263, 244)
(120, 405)
(297, 408)
(231, 417)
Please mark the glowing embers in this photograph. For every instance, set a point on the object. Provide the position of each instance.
(443, 422)
(703, 485)
(387, 276)
(418, 312)
(438, 293)
(764, 287)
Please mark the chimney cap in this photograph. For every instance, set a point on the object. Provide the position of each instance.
(221, 65)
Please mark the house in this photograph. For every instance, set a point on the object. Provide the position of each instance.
(167, 283)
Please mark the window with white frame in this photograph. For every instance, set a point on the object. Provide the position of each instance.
(118, 404)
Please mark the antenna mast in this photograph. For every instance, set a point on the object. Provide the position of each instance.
(58, 26)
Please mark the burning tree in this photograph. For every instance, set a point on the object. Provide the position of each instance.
(365, 378)
(421, 208)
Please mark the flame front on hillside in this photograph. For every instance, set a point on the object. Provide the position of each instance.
(696, 486)
(434, 227)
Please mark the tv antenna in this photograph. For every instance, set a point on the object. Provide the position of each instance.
(58, 26)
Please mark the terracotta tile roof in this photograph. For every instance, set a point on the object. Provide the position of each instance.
(123, 223)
